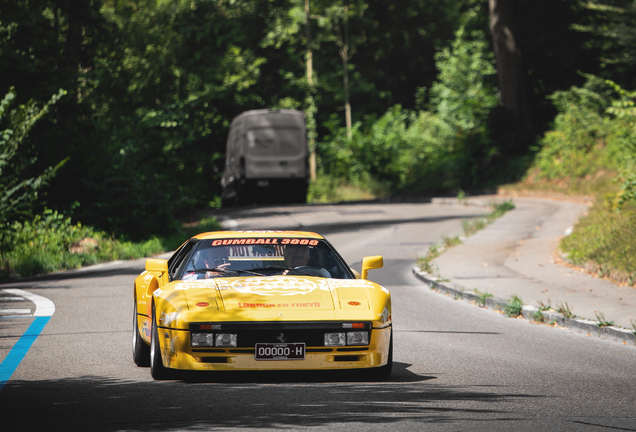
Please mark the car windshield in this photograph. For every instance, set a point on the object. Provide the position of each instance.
(264, 257)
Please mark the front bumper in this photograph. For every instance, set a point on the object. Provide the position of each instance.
(178, 354)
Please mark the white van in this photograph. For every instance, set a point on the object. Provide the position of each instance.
(266, 157)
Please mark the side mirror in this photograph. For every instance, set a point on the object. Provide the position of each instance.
(156, 265)
(369, 263)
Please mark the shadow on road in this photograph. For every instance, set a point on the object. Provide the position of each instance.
(237, 400)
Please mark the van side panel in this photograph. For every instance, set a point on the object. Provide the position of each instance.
(267, 152)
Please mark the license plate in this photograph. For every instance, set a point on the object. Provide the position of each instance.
(279, 351)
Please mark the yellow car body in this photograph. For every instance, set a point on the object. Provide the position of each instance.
(254, 313)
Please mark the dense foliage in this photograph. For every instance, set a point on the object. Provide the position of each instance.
(594, 135)
(595, 130)
(18, 193)
(434, 147)
(153, 86)
(150, 87)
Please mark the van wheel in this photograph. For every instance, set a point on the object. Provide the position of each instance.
(298, 196)
(301, 196)
(228, 202)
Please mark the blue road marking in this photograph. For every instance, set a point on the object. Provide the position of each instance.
(19, 350)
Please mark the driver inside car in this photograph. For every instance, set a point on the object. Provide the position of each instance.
(298, 256)
(213, 258)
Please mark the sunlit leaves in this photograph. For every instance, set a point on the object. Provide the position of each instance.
(462, 95)
(18, 190)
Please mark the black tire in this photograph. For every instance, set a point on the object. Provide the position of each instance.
(140, 350)
(384, 372)
(157, 369)
(228, 202)
(300, 196)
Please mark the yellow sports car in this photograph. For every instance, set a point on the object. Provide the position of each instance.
(260, 300)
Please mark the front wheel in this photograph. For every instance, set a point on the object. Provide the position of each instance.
(157, 369)
(384, 372)
(140, 350)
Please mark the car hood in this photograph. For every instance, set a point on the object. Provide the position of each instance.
(277, 297)
(276, 292)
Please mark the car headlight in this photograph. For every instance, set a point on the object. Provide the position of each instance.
(347, 338)
(357, 338)
(335, 339)
(202, 339)
(225, 340)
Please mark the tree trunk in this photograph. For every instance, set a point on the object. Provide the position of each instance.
(511, 74)
(311, 124)
(344, 54)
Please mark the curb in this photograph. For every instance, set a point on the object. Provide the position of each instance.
(580, 325)
(487, 201)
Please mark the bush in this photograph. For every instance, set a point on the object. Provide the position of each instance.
(327, 189)
(52, 242)
(589, 135)
(514, 307)
(442, 148)
(464, 93)
(594, 138)
(604, 241)
(18, 190)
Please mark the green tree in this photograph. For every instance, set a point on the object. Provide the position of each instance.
(612, 27)
(445, 147)
(531, 65)
(510, 70)
(153, 86)
(18, 190)
(464, 93)
(333, 19)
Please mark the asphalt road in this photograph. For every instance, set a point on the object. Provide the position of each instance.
(457, 367)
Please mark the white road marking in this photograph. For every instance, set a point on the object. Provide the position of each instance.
(43, 306)
(15, 311)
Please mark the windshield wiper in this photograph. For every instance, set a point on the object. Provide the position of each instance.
(249, 272)
(215, 269)
(226, 271)
(275, 267)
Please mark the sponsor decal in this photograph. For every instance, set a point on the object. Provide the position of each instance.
(257, 305)
(385, 315)
(274, 252)
(195, 283)
(362, 283)
(173, 347)
(145, 329)
(157, 292)
(203, 304)
(274, 285)
(354, 303)
(264, 241)
(168, 318)
(243, 305)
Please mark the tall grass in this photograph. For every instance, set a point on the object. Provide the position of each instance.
(51, 242)
(592, 150)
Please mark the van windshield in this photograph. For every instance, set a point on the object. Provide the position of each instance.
(275, 142)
